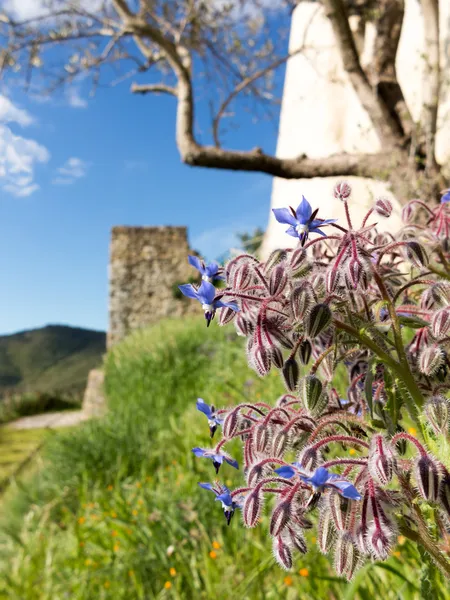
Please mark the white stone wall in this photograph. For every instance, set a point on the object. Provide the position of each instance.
(321, 114)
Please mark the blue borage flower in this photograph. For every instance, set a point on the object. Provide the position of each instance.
(320, 480)
(216, 457)
(205, 294)
(446, 196)
(209, 272)
(302, 221)
(210, 412)
(223, 495)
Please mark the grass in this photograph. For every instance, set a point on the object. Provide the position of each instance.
(116, 512)
(16, 447)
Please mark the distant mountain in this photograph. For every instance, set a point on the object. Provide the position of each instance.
(49, 359)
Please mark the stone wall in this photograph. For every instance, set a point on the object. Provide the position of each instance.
(145, 264)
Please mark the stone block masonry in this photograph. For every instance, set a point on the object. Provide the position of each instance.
(145, 265)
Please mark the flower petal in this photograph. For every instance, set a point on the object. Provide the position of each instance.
(188, 290)
(204, 408)
(211, 269)
(292, 231)
(304, 211)
(198, 451)
(196, 263)
(225, 498)
(446, 197)
(284, 215)
(286, 472)
(220, 304)
(319, 477)
(206, 292)
(231, 461)
(206, 486)
(345, 489)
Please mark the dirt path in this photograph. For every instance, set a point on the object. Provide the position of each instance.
(50, 420)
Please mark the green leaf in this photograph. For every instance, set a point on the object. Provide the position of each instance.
(368, 384)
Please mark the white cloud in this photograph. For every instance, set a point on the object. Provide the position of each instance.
(72, 170)
(13, 114)
(18, 155)
(74, 99)
(30, 9)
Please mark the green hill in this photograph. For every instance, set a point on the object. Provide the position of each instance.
(49, 359)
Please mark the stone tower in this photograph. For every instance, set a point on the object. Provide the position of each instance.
(321, 114)
(146, 264)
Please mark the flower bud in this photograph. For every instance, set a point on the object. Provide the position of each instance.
(294, 537)
(428, 476)
(354, 272)
(261, 360)
(301, 300)
(440, 291)
(280, 517)
(318, 320)
(332, 278)
(337, 506)
(408, 212)
(299, 264)
(444, 492)
(243, 326)
(291, 374)
(325, 531)
(275, 258)
(309, 458)
(277, 357)
(230, 424)
(251, 510)
(416, 254)
(280, 443)
(342, 190)
(304, 352)
(379, 540)
(383, 207)
(346, 556)
(310, 391)
(261, 435)
(430, 360)
(239, 273)
(278, 280)
(427, 299)
(282, 553)
(256, 473)
(437, 409)
(440, 323)
(382, 462)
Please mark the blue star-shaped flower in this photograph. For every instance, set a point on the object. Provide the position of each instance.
(209, 411)
(302, 221)
(446, 197)
(206, 295)
(223, 495)
(289, 471)
(216, 457)
(208, 272)
(322, 479)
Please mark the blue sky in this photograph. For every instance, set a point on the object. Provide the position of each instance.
(94, 163)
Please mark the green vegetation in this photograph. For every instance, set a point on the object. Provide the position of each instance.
(116, 511)
(17, 446)
(53, 359)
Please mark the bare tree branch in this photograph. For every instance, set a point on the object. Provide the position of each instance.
(153, 89)
(388, 28)
(385, 125)
(432, 77)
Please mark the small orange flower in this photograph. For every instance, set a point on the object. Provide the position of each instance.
(81, 520)
(412, 431)
(288, 580)
(352, 451)
(113, 514)
(114, 533)
(138, 484)
(213, 554)
(134, 512)
(81, 544)
(313, 540)
(397, 554)
(94, 517)
(303, 572)
(401, 540)
(116, 548)
(107, 585)
(173, 571)
(216, 545)
(110, 488)
(167, 585)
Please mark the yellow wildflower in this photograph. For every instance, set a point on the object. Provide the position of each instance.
(303, 572)
(412, 431)
(81, 520)
(167, 585)
(216, 545)
(173, 571)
